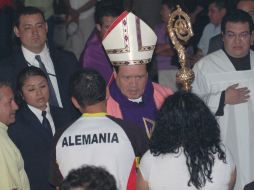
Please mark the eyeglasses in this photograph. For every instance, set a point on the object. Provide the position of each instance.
(242, 36)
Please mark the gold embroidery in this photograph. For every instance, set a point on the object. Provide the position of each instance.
(149, 130)
(131, 62)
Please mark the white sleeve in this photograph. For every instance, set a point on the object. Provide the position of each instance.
(202, 88)
(145, 165)
(229, 159)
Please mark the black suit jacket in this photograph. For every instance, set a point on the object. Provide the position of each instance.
(65, 64)
(34, 144)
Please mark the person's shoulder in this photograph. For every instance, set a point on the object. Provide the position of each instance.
(146, 158)
(209, 25)
(7, 66)
(217, 37)
(92, 44)
(125, 125)
(66, 129)
(61, 117)
(119, 121)
(211, 57)
(6, 61)
(20, 121)
(94, 38)
(62, 52)
(63, 57)
(165, 91)
(218, 53)
(208, 28)
(16, 54)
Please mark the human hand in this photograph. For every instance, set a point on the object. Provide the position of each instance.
(234, 95)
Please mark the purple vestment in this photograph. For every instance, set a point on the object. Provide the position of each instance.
(94, 56)
(142, 114)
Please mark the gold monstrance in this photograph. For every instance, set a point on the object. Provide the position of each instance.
(180, 31)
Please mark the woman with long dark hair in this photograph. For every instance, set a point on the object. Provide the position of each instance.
(185, 149)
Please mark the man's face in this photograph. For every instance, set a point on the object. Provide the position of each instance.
(8, 106)
(106, 23)
(131, 80)
(237, 39)
(32, 32)
(215, 14)
(247, 6)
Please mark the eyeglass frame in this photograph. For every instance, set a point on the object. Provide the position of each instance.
(232, 35)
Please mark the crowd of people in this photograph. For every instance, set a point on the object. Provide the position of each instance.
(94, 115)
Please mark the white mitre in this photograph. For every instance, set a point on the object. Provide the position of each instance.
(129, 41)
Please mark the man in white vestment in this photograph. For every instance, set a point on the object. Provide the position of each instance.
(225, 81)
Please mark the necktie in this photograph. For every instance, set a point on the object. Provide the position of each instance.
(52, 95)
(46, 124)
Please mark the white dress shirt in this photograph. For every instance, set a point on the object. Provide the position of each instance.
(38, 114)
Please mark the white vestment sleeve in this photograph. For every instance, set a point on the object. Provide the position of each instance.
(201, 87)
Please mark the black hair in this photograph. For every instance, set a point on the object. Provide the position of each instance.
(88, 87)
(89, 178)
(235, 16)
(185, 122)
(220, 4)
(29, 10)
(103, 10)
(25, 74)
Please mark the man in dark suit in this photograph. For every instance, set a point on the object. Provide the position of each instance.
(31, 28)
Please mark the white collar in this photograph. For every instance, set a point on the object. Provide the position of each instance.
(138, 100)
(38, 112)
(30, 56)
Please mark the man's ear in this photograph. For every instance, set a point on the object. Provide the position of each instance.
(75, 103)
(222, 36)
(98, 27)
(16, 31)
(46, 27)
(114, 73)
(252, 37)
